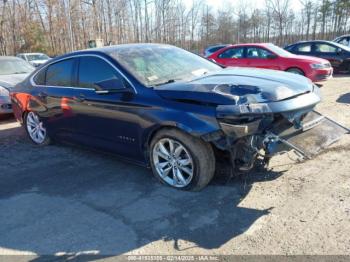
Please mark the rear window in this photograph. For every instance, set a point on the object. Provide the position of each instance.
(303, 48)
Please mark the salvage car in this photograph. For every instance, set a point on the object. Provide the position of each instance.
(171, 110)
(12, 71)
(273, 57)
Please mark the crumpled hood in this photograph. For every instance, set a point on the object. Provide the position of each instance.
(238, 86)
(9, 81)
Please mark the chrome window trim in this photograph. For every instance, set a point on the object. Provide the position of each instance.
(74, 56)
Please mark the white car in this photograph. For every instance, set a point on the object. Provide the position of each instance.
(344, 40)
(12, 71)
(35, 59)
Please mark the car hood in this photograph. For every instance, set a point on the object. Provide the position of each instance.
(238, 86)
(9, 81)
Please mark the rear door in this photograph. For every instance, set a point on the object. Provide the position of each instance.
(55, 96)
(233, 56)
(261, 58)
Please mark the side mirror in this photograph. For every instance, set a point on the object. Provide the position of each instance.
(271, 56)
(113, 85)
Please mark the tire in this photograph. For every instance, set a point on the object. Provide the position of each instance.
(31, 122)
(296, 71)
(195, 151)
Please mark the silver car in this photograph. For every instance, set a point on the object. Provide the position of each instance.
(12, 71)
(35, 59)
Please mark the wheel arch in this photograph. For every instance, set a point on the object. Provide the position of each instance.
(295, 67)
(147, 139)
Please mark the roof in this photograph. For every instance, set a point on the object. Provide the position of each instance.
(253, 44)
(314, 41)
(109, 49)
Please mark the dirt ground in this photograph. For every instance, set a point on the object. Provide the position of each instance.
(63, 200)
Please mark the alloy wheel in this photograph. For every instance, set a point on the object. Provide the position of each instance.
(35, 128)
(173, 163)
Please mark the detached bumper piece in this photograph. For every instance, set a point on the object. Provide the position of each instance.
(315, 134)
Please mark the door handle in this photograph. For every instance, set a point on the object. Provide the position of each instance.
(79, 98)
(42, 95)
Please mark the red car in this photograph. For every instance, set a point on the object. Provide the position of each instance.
(273, 57)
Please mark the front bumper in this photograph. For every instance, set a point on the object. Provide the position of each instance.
(321, 74)
(316, 133)
(5, 105)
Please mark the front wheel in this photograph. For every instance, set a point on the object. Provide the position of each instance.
(181, 160)
(296, 71)
(36, 129)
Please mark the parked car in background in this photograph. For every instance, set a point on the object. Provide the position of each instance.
(164, 107)
(212, 49)
(35, 59)
(337, 54)
(344, 40)
(273, 57)
(12, 71)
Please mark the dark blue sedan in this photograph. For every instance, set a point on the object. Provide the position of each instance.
(166, 108)
(338, 55)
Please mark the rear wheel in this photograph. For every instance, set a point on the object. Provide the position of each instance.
(181, 160)
(295, 71)
(36, 129)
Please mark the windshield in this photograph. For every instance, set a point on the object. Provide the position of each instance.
(14, 66)
(279, 51)
(37, 57)
(159, 64)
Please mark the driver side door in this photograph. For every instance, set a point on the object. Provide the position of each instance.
(107, 114)
(262, 58)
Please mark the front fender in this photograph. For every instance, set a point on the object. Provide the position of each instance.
(196, 123)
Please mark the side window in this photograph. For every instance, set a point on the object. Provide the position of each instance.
(236, 52)
(39, 79)
(325, 48)
(60, 73)
(256, 52)
(214, 49)
(93, 70)
(305, 48)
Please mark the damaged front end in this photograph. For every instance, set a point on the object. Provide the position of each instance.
(249, 131)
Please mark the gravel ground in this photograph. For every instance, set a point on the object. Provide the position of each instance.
(64, 200)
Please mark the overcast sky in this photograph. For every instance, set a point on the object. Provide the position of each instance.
(219, 4)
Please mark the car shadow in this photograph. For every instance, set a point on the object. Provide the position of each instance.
(65, 200)
(345, 98)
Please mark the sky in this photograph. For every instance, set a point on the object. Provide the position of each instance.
(218, 4)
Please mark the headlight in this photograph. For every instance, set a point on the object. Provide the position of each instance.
(318, 66)
(254, 108)
(246, 109)
(4, 91)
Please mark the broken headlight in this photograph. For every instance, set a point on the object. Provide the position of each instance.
(243, 109)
